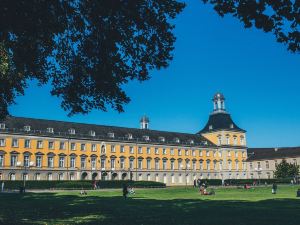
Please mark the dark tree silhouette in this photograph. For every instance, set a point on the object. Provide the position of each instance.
(281, 17)
(86, 49)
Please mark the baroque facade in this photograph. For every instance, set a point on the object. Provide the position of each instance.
(36, 149)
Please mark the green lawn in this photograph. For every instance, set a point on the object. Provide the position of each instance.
(154, 206)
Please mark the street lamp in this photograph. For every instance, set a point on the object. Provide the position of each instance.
(25, 167)
(258, 170)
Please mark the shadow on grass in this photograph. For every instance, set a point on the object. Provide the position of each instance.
(49, 208)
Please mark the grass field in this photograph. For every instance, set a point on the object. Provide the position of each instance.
(230, 206)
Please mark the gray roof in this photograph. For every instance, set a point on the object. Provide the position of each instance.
(220, 121)
(256, 154)
(61, 129)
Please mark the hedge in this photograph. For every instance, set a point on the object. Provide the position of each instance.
(261, 181)
(86, 184)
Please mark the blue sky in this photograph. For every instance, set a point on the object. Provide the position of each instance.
(258, 76)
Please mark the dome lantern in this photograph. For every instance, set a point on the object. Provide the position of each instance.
(219, 102)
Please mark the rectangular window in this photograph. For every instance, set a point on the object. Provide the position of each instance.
(122, 149)
(61, 161)
(72, 162)
(102, 163)
(207, 153)
(193, 152)
(1, 160)
(156, 151)
(148, 164)
(229, 153)
(172, 165)
(39, 144)
(164, 151)
(148, 151)
(179, 152)
(201, 165)
(251, 166)
(236, 154)
(27, 143)
(164, 164)
(122, 163)
(51, 145)
(38, 162)
(131, 150)
(83, 162)
(200, 153)
(180, 165)
(73, 146)
(156, 164)
(258, 165)
(26, 161)
(215, 154)
(50, 162)
(13, 160)
(131, 163)
(186, 152)
(140, 164)
(93, 163)
(94, 148)
(220, 154)
(208, 165)
(61, 145)
(236, 165)
(267, 165)
(171, 151)
(194, 165)
(15, 143)
(112, 163)
(113, 149)
(140, 151)
(82, 147)
(2, 142)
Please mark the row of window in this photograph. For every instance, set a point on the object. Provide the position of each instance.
(258, 166)
(83, 147)
(235, 140)
(93, 160)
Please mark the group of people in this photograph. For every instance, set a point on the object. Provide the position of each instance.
(202, 187)
(127, 189)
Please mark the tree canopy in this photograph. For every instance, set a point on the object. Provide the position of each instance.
(85, 49)
(286, 170)
(280, 17)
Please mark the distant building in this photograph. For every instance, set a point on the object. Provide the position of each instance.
(261, 162)
(37, 149)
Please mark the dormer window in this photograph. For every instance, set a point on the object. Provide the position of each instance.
(2, 125)
(146, 138)
(129, 136)
(71, 131)
(191, 142)
(210, 127)
(50, 130)
(162, 139)
(177, 140)
(231, 126)
(27, 128)
(92, 133)
(111, 135)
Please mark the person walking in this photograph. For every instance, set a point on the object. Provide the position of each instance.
(274, 188)
(125, 191)
(2, 186)
(195, 183)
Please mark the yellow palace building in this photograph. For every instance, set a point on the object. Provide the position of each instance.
(36, 149)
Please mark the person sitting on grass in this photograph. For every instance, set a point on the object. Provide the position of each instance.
(83, 192)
